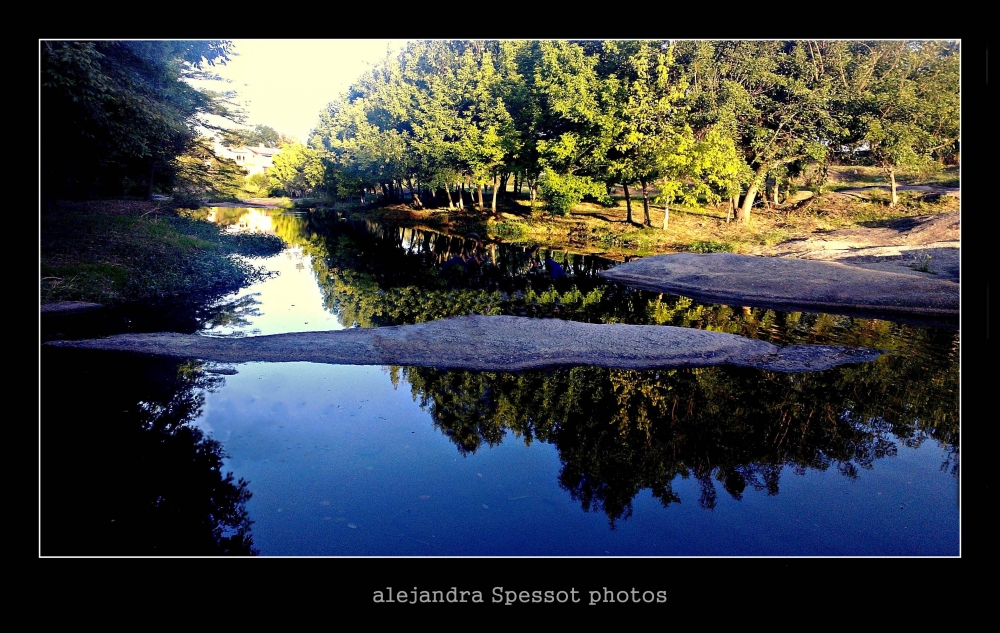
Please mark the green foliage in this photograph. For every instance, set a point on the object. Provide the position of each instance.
(508, 230)
(923, 265)
(902, 106)
(258, 136)
(199, 174)
(297, 170)
(106, 255)
(258, 185)
(702, 246)
(606, 201)
(691, 121)
(115, 114)
(563, 192)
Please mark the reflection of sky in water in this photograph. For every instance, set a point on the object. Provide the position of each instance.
(342, 463)
(250, 220)
(290, 301)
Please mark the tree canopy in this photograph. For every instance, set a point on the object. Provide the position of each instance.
(694, 120)
(116, 114)
(684, 121)
(898, 102)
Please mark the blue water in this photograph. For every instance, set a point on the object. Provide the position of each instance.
(342, 463)
(345, 460)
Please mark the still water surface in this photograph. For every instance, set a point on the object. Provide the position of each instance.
(332, 460)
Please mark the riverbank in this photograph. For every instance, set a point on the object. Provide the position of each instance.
(853, 198)
(113, 251)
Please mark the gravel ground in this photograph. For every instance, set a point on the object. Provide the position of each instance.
(497, 343)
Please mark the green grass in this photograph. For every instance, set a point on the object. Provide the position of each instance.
(508, 230)
(125, 251)
(843, 177)
(709, 246)
(923, 265)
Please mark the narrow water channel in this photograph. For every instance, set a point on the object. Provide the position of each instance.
(151, 456)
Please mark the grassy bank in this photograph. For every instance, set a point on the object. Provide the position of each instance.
(598, 229)
(115, 251)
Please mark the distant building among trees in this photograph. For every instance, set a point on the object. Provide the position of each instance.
(255, 160)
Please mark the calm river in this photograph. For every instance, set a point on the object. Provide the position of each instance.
(149, 456)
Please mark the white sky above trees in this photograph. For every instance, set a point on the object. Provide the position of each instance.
(286, 83)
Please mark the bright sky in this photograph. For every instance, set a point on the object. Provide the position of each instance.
(288, 82)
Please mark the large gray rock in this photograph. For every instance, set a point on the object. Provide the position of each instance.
(790, 284)
(501, 343)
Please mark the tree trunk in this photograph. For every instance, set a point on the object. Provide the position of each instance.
(495, 187)
(415, 195)
(732, 209)
(645, 205)
(666, 215)
(744, 214)
(149, 189)
(892, 182)
(479, 194)
(461, 198)
(628, 205)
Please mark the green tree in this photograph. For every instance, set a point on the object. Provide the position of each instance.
(200, 173)
(258, 185)
(115, 114)
(568, 128)
(258, 136)
(655, 143)
(297, 170)
(773, 97)
(899, 103)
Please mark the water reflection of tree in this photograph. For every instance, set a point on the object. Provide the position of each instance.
(232, 314)
(375, 274)
(124, 471)
(621, 431)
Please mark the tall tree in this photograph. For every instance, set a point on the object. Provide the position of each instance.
(569, 125)
(899, 101)
(297, 170)
(114, 114)
(199, 172)
(775, 93)
(654, 142)
(258, 136)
